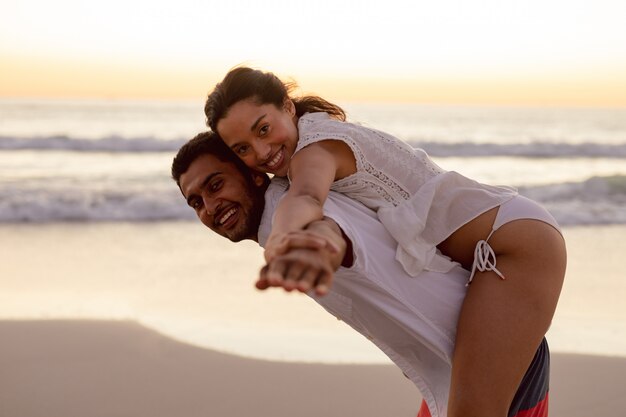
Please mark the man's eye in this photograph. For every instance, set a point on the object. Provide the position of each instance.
(195, 204)
(214, 186)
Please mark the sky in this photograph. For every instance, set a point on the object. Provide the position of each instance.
(532, 52)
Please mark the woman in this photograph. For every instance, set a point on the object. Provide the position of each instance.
(512, 246)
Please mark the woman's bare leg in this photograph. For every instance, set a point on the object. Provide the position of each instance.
(502, 322)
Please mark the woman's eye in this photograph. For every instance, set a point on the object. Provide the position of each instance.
(263, 130)
(242, 150)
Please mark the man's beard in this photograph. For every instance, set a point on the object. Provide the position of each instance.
(253, 215)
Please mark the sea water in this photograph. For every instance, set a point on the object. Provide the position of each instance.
(91, 177)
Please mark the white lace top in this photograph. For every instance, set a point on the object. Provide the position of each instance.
(418, 202)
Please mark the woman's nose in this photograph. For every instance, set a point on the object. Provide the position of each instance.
(261, 149)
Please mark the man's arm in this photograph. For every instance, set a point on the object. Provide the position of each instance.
(306, 264)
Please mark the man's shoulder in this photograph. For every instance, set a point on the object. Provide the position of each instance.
(277, 188)
(275, 191)
(279, 183)
(348, 213)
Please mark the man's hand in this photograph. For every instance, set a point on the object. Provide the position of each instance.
(307, 259)
(299, 269)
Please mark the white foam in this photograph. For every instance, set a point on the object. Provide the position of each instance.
(105, 144)
(115, 143)
(528, 150)
(598, 200)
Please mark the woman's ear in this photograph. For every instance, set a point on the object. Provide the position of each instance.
(289, 106)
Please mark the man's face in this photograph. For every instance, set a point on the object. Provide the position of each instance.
(223, 198)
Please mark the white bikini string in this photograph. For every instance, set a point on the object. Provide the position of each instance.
(484, 259)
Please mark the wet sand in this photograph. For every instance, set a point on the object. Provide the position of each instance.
(81, 368)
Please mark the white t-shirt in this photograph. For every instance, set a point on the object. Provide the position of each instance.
(411, 319)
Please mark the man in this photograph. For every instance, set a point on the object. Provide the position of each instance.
(413, 320)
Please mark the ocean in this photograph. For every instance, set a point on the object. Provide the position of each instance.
(92, 226)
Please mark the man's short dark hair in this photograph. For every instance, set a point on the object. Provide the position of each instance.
(206, 143)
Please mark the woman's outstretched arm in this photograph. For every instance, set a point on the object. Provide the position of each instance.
(312, 171)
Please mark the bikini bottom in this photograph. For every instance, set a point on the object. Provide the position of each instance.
(517, 208)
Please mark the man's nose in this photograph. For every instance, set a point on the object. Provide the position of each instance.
(211, 205)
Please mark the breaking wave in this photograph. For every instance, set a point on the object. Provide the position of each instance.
(597, 200)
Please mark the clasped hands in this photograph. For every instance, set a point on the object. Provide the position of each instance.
(303, 260)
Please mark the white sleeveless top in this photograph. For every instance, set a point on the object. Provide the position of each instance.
(419, 203)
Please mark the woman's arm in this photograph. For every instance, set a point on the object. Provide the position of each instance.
(312, 171)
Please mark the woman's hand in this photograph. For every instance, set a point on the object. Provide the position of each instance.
(301, 269)
(305, 259)
(281, 243)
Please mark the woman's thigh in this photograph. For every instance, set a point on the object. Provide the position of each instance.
(502, 322)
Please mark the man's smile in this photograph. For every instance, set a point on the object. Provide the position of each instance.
(227, 218)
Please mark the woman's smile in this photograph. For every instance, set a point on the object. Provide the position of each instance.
(275, 162)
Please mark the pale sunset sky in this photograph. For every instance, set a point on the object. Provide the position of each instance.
(532, 52)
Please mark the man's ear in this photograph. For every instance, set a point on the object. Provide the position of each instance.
(289, 106)
(258, 178)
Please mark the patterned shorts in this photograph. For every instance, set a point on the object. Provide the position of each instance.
(531, 398)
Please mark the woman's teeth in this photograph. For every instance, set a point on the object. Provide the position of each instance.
(272, 164)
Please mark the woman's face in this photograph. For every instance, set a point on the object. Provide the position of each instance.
(262, 135)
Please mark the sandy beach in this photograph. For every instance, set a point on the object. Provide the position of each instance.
(66, 368)
(98, 361)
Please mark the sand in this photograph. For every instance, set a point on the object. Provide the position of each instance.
(195, 286)
(83, 368)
